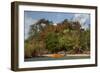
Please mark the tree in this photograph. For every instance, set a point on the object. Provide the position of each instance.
(52, 43)
(37, 27)
(35, 38)
(66, 42)
(28, 50)
(85, 39)
(65, 36)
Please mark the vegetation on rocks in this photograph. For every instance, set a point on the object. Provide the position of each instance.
(46, 38)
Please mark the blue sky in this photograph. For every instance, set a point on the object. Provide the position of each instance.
(52, 16)
(31, 17)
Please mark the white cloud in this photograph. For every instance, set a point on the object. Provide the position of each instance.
(82, 18)
(28, 21)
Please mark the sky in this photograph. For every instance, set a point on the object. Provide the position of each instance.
(31, 17)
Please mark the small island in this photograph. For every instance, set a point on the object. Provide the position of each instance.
(66, 39)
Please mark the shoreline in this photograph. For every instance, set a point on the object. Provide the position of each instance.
(69, 54)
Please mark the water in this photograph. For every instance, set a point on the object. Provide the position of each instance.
(62, 58)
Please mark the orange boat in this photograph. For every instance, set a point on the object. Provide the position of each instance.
(56, 55)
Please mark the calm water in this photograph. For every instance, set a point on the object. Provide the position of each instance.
(62, 58)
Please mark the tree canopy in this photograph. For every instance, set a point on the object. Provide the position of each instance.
(44, 37)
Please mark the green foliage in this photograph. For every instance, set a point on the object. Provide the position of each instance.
(52, 43)
(85, 40)
(27, 50)
(66, 36)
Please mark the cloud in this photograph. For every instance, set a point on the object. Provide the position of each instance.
(28, 21)
(83, 19)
